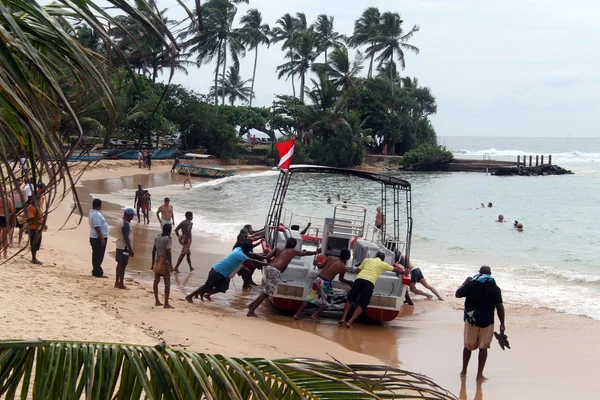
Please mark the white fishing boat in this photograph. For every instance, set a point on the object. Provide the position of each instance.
(345, 228)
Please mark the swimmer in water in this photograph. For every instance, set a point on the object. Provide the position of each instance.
(500, 218)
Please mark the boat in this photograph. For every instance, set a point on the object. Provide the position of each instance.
(162, 153)
(205, 172)
(345, 228)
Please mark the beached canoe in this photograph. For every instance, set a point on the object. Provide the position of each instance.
(157, 154)
(206, 172)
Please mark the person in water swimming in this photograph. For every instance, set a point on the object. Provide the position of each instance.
(500, 218)
(520, 227)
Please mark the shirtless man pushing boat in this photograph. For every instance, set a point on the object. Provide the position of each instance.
(322, 288)
(281, 258)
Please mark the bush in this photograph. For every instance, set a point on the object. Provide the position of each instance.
(427, 157)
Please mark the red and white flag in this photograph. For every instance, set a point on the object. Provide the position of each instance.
(286, 151)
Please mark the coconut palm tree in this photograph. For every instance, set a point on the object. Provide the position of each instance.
(219, 36)
(327, 37)
(255, 34)
(340, 69)
(42, 59)
(304, 53)
(286, 31)
(366, 28)
(234, 87)
(391, 40)
(73, 370)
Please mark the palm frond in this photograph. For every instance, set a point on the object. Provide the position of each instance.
(54, 370)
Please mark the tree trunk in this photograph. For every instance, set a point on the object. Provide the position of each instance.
(302, 77)
(292, 64)
(370, 73)
(253, 75)
(326, 59)
(391, 73)
(217, 79)
(224, 70)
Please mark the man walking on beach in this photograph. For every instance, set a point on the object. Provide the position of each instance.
(164, 214)
(98, 238)
(185, 239)
(281, 258)
(124, 246)
(362, 289)
(138, 201)
(322, 288)
(482, 296)
(162, 264)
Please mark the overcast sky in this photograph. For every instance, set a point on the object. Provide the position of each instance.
(497, 68)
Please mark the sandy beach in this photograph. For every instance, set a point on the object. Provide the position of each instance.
(553, 355)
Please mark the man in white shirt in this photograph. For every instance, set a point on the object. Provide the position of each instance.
(27, 187)
(98, 238)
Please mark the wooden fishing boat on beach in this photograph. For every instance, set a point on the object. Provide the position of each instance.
(205, 172)
(346, 228)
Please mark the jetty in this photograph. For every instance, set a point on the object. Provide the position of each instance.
(532, 165)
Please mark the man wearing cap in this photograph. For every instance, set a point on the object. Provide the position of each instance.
(165, 213)
(124, 246)
(98, 238)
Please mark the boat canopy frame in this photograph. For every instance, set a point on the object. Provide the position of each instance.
(398, 187)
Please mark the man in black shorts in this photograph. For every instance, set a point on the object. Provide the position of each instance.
(416, 276)
(362, 289)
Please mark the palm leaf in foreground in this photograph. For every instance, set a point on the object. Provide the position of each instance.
(73, 370)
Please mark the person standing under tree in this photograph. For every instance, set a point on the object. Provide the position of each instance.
(98, 238)
(482, 296)
(36, 223)
(185, 239)
(7, 210)
(124, 246)
(162, 264)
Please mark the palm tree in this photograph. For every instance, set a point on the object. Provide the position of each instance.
(287, 32)
(234, 87)
(219, 34)
(255, 34)
(340, 69)
(303, 55)
(366, 28)
(73, 370)
(391, 40)
(327, 38)
(42, 59)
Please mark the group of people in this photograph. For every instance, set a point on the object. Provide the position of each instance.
(162, 264)
(516, 224)
(23, 210)
(145, 159)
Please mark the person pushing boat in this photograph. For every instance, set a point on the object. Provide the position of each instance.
(281, 258)
(322, 288)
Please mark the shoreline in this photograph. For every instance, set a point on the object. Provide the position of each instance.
(426, 339)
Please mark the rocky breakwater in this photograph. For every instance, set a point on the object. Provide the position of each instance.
(539, 170)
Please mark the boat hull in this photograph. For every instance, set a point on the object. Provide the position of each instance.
(206, 172)
(289, 298)
(160, 154)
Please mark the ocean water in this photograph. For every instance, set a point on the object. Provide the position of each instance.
(554, 263)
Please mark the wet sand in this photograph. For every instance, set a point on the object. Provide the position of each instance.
(553, 355)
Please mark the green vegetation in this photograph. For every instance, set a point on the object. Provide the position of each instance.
(70, 370)
(337, 113)
(427, 157)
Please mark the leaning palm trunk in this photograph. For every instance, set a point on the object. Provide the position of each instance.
(74, 370)
(223, 74)
(253, 75)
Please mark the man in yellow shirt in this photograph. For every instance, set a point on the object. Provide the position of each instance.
(362, 289)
